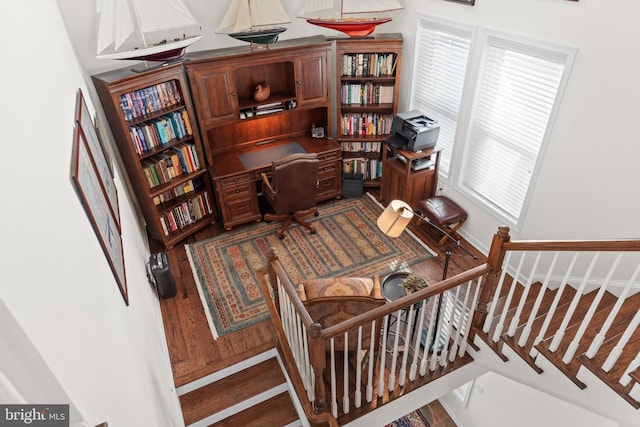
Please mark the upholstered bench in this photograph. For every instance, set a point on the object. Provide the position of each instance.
(445, 213)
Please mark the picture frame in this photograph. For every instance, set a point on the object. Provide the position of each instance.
(467, 2)
(99, 154)
(88, 185)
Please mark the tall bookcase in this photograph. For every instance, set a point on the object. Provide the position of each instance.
(153, 122)
(367, 83)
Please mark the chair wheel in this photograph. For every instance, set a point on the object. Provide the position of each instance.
(313, 231)
(281, 236)
(316, 214)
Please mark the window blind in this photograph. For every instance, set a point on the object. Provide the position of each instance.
(441, 56)
(517, 94)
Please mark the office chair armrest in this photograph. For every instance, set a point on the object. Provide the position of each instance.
(266, 185)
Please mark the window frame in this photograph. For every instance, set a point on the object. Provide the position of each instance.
(460, 167)
(431, 23)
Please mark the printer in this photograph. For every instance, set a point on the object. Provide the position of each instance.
(413, 131)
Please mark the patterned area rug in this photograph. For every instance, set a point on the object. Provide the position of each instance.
(347, 243)
(414, 419)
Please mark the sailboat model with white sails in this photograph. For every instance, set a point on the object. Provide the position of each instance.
(254, 21)
(343, 15)
(149, 30)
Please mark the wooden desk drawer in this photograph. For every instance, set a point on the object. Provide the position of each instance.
(332, 155)
(241, 191)
(234, 180)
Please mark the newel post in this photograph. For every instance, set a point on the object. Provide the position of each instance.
(489, 282)
(318, 363)
(273, 277)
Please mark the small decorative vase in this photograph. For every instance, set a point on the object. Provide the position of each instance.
(262, 92)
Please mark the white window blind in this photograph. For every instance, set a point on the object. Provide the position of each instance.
(441, 56)
(516, 99)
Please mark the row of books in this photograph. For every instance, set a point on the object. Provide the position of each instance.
(161, 168)
(149, 135)
(361, 147)
(369, 168)
(150, 100)
(365, 124)
(366, 94)
(368, 64)
(179, 190)
(186, 213)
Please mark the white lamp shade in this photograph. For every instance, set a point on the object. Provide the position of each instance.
(395, 218)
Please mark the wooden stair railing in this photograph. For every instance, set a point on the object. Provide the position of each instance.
(523, 297)
(348, 384)
(575, 303)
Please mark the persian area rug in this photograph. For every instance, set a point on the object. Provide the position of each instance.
(414, 419)
(347, 243)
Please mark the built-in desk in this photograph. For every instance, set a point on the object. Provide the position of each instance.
(236, 175)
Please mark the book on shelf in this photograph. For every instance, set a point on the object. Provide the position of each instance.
(368, 64)
(365, 124)
(149, 100)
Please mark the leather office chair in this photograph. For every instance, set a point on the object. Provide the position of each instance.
(292, 192)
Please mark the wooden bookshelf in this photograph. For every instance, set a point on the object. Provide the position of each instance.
(367, 88)
(151, 116)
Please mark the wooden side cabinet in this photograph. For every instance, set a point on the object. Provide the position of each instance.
(400, 181)
(154, 126)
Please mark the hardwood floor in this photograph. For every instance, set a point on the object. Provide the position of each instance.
(193, 351)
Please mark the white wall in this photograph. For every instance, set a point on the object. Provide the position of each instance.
(491, 403)
(109, 359)
(586, 188)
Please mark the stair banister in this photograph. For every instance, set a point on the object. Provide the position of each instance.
(500, 326)
(523, 298)
(622, 342)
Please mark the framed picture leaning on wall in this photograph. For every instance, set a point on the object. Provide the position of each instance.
(88, 181)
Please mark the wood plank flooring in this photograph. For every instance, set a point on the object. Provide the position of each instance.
(193, 351)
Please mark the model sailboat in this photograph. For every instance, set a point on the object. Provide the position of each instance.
(356, 18)
(153, 30)
(254, 20)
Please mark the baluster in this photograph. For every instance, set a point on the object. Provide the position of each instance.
(308, 368)
(358, 393)
(626, 378)
(394, 354)
(436, 338)
(429, 343)
(407, 344)
(599, 338)
(450, 321)
(554, 305)
(334, 392)
(459, 330)
(526, 331)
(573, 346)
(515, 321)
(557, 337)
(474, 305)
(514, 284)
(416, 353)
(383, 355)
(496, 296)
(372, 357)
(345, 375)
(624, 339)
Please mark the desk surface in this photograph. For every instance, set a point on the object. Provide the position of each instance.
(231, 163)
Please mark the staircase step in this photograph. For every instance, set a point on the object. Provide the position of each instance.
(511, 311)
(600, 316)
(277, 411)
(612, 377)
(563, 303)
(231, 390)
